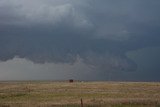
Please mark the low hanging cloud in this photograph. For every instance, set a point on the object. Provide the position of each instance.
(60, 31)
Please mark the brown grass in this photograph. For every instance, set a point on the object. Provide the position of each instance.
(65, 94)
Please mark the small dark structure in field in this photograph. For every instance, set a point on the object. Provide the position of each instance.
(71, 80)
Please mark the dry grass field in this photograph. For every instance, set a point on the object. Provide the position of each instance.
(65, 94)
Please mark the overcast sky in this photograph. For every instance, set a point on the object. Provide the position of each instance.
(80, 39)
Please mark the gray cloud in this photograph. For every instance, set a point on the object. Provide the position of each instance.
(99, 32)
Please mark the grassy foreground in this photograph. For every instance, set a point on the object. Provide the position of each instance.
(65, 94)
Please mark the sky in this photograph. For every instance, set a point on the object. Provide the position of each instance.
(115, 40)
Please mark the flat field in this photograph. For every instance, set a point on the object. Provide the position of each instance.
(93, 94)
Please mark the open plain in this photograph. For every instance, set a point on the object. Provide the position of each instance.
(65, 94)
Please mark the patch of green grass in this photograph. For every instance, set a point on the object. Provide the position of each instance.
(12, 95)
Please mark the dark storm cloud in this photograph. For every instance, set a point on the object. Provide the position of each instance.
(59, 31)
